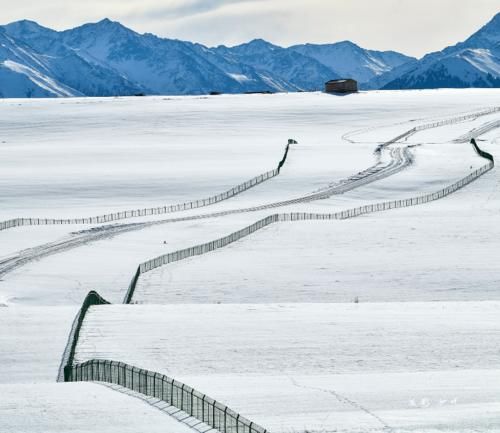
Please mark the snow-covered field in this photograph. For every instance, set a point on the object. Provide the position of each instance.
(81, 157)
(446, 250)
(81, 408)
(276, 362)
(288, 347)
(32, 340)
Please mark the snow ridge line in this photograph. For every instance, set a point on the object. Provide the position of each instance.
(152, 384)
(437, 124)
(347, 136)
(17, 222)
(92, 298)
(401, 158)
(477, 132)
(404, 159)
(302, 216)
(205, 409)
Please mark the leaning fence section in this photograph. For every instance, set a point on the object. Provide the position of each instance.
(92, 298)
(164, 388)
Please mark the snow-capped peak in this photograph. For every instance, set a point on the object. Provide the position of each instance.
(107, 58)
(487, 35)
(255, 46)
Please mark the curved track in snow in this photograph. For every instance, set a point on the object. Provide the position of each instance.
(477, 132)
(18, 259)
(400, 159)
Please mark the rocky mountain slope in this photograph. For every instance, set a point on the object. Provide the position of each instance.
(107, 58)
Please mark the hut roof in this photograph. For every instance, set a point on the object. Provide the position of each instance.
(340, 80)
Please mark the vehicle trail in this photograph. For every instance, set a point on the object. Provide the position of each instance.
(401, 158)
(344, 400)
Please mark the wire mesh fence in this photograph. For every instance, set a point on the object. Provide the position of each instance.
(116, 216)
(477, 132)
(301, 216)
(394, 204)
(195, 251)
(185, 398)
(437, 124)
(458, 119)
(4, 225)
(111, 217)
(92, 298)
(156, 385)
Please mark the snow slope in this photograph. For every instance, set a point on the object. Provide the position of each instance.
(134, 153)
(79, 408)
(350, 60)
(350, 367)
(288, 347)
(302, 72)
(116, 60)
(472, 63)
(107, 154)
(25, 73)
(32, 340)
(337, 261)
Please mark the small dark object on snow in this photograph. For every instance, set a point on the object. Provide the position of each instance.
(344, 85)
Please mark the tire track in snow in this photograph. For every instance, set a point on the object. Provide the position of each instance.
(401, 158)
(477, 132)
(103, 232)
(301, 216)
(344, 400)
(14, 261)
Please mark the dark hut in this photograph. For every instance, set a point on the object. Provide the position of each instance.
(344, 85)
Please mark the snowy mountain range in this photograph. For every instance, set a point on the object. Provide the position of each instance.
(106, 59)
(472, 63)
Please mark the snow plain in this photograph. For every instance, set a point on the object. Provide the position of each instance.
(318, 366)
(32, 340)
(388, 363)
(80, 408)
(320, 158)
(81, 157)
(446, 250)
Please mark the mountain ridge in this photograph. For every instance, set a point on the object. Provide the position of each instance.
(107, 58)
(474, 62)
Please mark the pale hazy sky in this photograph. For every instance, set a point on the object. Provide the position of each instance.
(413, 27)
